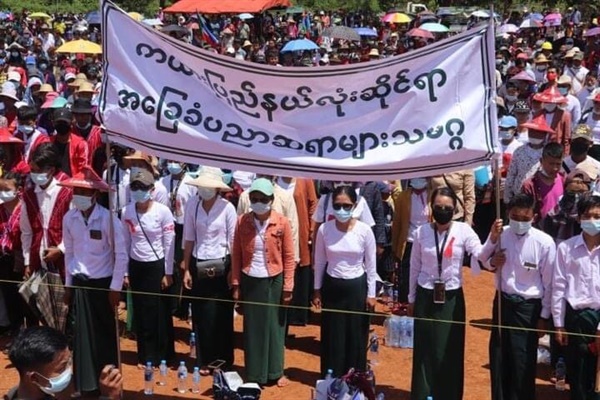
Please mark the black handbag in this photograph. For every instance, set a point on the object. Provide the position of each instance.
(208, 269)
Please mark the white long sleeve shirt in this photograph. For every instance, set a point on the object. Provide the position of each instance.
(46, 199)
(576, 278)
(182, 192)
(212, 232)
(346, 255)
(158, 225)
(89, 248)
(324, 211)
(424, 262)
(529, 265)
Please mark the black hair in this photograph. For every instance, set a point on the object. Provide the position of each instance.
(587, 201)
(347, 190)
(553, 150)
(46, 156)
(14, 176)
(521, 200)
(35, 347)
(27, 113)
(446, 192)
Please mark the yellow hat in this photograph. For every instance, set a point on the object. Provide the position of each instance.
(547, 46)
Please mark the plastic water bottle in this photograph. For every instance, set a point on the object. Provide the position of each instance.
(561, 374)
(162, 373)
(192, 345)
(329, 375)
(402, 333)
(374, 350)
(395, 331)
(149, 379)
(182, 374)
(410, 325)
(196, 380)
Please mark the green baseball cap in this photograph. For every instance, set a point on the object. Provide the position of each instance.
(262, 185)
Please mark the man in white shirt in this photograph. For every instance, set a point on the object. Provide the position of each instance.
(573, 106)
(576, 299)
(524, 267)
(95, 257)
(577, 71)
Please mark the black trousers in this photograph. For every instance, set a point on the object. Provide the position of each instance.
(212, 319)
(344, 337)
(581, 363)
(404, 274)
(95, 341)
(303, 279)
(153, 323)
(513, 352)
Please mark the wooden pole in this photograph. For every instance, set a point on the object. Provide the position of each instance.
(111, 238)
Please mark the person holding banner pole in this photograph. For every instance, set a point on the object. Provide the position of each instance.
(89, 249)
(524, 265)
(435, 293)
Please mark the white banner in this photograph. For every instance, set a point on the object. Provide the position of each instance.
(422, 113)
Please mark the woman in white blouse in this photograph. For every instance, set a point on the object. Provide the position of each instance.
(345, 274)
(149, 232)
(435, 293)
(208, 235)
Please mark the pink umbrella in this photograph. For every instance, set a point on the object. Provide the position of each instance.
(422, 33)
(592, 32)
(553, 16)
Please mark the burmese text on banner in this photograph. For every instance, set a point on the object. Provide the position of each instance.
(426, 112)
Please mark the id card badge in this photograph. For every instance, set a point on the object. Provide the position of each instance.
(439, 292)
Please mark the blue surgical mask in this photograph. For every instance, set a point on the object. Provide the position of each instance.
(7, 195)
(174, 168)
(58, 383)
(140, 196)
(40, 179)
(520, 227)
(591, 226)
(27, 130)
(227, 178)
(418, 183)
(505, 134)
(260, 208)
(135, 170)
(563, 91)
(342, 215)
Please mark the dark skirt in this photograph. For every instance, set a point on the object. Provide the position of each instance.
(264, 328)
(404, 274)
(344, 336)
(16, 307)
(581, 363)
(303, 279)
(439, 347)
(95, 341)
(153, 323)
(513, 360)
(212, 319)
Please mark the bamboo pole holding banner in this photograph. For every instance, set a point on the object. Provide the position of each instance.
(111, 238)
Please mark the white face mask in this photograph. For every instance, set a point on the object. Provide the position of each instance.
(260, 208)
(58, 383)
(206, 193)
(40, 179)
(535, 141)
(550, 108)
(82, 203)
(7, 196)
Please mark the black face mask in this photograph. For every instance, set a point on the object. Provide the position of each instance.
(579, 148)
(62, 128)
(443, 216)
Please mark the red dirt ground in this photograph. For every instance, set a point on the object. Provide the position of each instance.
(393, 373)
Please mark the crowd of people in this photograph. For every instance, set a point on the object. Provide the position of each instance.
(221, 236)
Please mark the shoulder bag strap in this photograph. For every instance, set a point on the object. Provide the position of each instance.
(145, 235)
(462, 205)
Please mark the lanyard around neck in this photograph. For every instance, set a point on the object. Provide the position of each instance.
(440, 251)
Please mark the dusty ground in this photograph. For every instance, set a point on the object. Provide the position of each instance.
(302, 360)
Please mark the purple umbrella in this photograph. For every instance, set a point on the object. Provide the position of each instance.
(592, 32)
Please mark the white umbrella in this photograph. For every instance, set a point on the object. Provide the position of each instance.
(530, 23)
(245, 16)
(480, 14)
(508, 28)
(152, 22)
